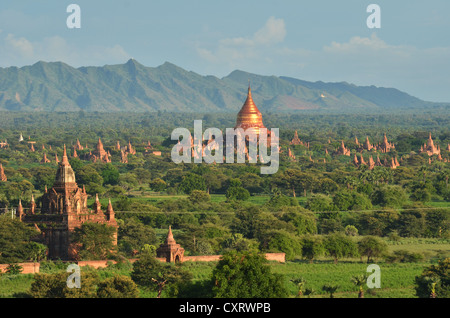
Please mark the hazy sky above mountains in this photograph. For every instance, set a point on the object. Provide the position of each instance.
(309, 40)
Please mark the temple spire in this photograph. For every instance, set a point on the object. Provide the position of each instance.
(65, 160)
(109, 211)
(97, 205)
(249, 116)
(170, 239)
(32, 205)
(19, 212)
(2, 174)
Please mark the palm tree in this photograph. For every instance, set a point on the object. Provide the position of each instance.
(309, 291)
(330, 288)
(300, 284)
(424, 170)
(433, 281)
(360, 281)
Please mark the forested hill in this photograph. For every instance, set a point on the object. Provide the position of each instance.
(133, 87)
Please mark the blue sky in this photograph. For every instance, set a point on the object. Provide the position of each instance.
(309, 40)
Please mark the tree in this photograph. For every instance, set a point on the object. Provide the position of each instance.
(389, 196)
(36, 251)
(16, 240)
(237, 193)
(110, 174)
(158, 185)
(300, 282)
(88, 174)
(411, 223)
(338, 245)
(304, 221)
(372, 247)
(55, 286)
(252, 182)
(246, 275)
(43, 176)
(330, 289)
(14, 269)
(437, 223)
(360, 281)
(434, 281)
(198, 196)
(96, 240)
(150, 273)
(320, 203)
(133, 235)
(290, 180)
(192, 182)
(311, 247)
(215, 181)
(118, 286)
(247, 222)
(279, 200)
(282, 241)
(142, 175)
(351, 230)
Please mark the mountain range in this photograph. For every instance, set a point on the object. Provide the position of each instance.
(133, 87)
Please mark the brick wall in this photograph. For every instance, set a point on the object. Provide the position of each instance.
(202, 258)
(28, 268)
(31, 268)
(279, 257)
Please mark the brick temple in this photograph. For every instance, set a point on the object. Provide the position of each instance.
(64, 208)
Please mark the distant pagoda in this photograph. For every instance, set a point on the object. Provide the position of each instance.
(342, 150)
(429, 148)
(99, 153)
(170, 250)
(385, 146)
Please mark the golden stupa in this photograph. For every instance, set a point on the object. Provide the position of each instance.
(249, 117)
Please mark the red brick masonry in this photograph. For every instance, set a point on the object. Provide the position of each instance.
(31, 268)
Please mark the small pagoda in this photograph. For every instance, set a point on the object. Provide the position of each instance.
(170, 250)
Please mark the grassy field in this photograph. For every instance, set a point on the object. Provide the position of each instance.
(397, 280)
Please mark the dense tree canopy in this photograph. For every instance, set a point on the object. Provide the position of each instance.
(245, 275)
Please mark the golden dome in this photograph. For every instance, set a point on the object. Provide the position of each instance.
(249, 116)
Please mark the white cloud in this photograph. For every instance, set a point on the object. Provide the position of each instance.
(421, 72)
(356, 43)
(274, 31)
(19, 51)
(237, 51)
(20, 46)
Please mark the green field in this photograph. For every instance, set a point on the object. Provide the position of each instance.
(397, 279)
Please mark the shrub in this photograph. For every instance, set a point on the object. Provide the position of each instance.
(372, 247)
(246, 275)
(402, 256)
(117, 287)
(351, 230)
(434, 281)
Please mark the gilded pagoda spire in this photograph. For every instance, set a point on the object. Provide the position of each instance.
(249, 116)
